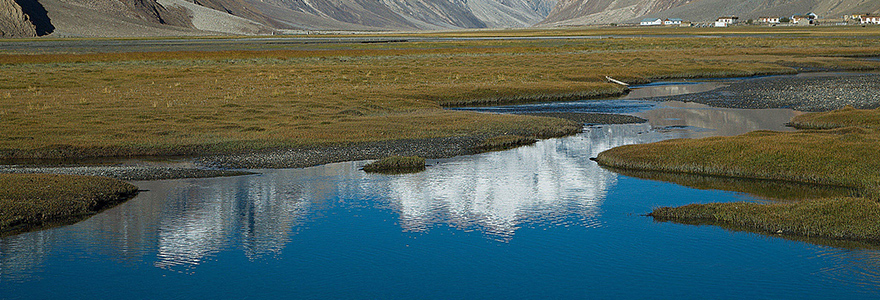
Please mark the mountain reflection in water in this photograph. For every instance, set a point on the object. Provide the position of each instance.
(497, 192)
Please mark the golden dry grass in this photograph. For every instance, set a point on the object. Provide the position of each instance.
(200, 102)
(830, 157)
(846, 117)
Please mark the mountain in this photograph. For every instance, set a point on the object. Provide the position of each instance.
(583, 12)
(387, 14)
(98, 18)
(198, 17)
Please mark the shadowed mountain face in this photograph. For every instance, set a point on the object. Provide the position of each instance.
(578, 12)
(151, 11)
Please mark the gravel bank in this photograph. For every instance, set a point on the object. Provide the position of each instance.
(812, 93)
(593, 118)
(226, 165)
(317, 155)
(130, 173)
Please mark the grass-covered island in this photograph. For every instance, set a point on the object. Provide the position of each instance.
(844, 152)
(35, 201)
(396, 164)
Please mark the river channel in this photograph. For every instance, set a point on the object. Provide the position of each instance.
(541, 221)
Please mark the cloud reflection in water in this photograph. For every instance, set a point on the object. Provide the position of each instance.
(548, 183)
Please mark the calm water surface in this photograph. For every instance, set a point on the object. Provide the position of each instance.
(541, 221)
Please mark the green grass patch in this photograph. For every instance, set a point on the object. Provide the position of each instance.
(828, 157)
(36, 201)
(396, 164)
(831, 218)
(504, 142)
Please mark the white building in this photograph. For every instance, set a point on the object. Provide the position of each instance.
(869, 19)
(651, 22)
(726, 21)
(672, 21)
(769, 20)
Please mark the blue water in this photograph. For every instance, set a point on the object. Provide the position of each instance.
(540, 221)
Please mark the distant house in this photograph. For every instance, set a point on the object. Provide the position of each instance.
(672, 21)
(869, 19)
(769, 20)
(651, 22)
(804, 19)
(726, 21)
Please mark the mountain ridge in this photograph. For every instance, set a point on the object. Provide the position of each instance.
(121, 18)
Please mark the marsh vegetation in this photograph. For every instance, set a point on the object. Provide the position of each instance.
(396, 164)
(35, 201)
(844, 155)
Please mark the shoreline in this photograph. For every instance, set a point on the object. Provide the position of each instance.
(43, 201)
(302, 157)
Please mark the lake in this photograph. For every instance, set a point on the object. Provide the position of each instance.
(541, 221)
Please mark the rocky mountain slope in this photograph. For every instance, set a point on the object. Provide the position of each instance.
(199, 17)
(14, 22)
(386, 14)
(186, 17)
(580, 12)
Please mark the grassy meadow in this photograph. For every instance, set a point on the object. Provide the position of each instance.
(75, 105)
(844, 154)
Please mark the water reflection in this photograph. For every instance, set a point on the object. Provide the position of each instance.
(550, 183)
(670, 89)
(707, 121)
(22, 255)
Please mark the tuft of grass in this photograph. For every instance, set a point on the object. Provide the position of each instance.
(396, 164)
(830, 218)
(38, 201)
(845, 117)
(503, 142)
